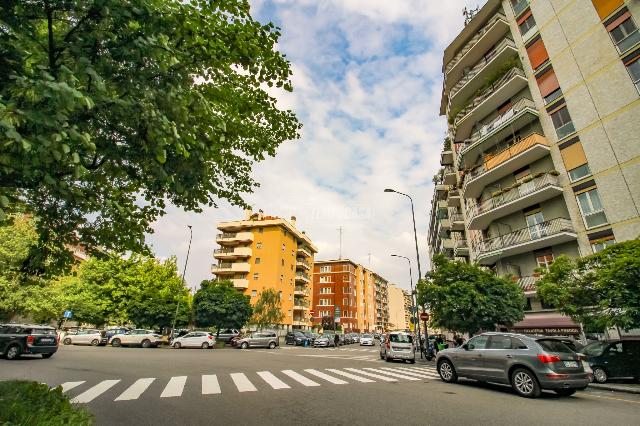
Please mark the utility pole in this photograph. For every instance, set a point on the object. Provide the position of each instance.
(184, 271)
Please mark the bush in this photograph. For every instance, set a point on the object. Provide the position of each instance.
(32, 403)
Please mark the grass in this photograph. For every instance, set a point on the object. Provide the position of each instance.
(32, 403)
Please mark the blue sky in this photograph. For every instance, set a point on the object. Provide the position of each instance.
(367, 82)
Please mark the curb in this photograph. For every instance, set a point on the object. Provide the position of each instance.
(615, 388)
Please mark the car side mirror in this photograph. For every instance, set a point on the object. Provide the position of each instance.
(465, 347)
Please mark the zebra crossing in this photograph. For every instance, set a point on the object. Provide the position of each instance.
(210, 384)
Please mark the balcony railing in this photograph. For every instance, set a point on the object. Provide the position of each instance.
(302, 275)
(523, 235)
(523, 190)
(227, 235)
(223, 250)
(467, 47)
(480, 65)
(497, 122)
(456, 217)
(528, 283)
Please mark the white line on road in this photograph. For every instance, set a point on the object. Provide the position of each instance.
(326, 377)
(94, 392)
(350, 376)
(424, 375)
(242, 382)
(300, 378)
(174, 387)
(66, 386)
(210, 384)
(400, 376)
(375, 376)
(135, 390)
(272, 380)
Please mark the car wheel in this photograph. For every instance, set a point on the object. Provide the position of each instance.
(47, 356)
(565, 392)
(116, 343)
(244, 345)
(67, 341)
(146, 343)
(525, 383)
(13, 352)
(599, 375)
(204, 345)
(386, 358)
(381, 356)
(447, 371)
(95, 342)
(412, 361)
(176, 345)
(272, 345)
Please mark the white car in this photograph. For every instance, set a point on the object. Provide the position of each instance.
(84, 337)
(137, 337)
(195, 339)
(366, 340)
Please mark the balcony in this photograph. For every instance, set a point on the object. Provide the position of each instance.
(489, 64)
(230, 268)
(477, 46)
(300, 306)
(232, 253)
(304, 251)
(524, 195)
(233, 238)
(300, 323)
(489, 101)
(528, 284)
(301, 291)
(527, 239)
(302, 277)
(519, 115)
(454, 198)
(446, 158)
(460, 248)
(443, 205)
(450, 176)
(457, 221)
(445, 225)
(302, 264)
(505, 162)
(240, 283)
(447, 244)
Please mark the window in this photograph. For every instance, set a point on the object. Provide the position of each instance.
(282, 262)
(258, 245)
(345, 302)
(600, 243)
(345, 290)
(537, 53)
(527, 26)
(325, 269)
(527, 307)
(591, 208)
(606, 7)
(283, 247)
(519, 6)
(478, 342)
(254, 293)
(325, 290)
(633, 67)
(499, 342)
(562, 122)
(260, 230)
(290, 312)
(281, 277)
(257, 260)
(579, 173)
(549, 86)
(544, 259)
(574, 159)
(623, 30)
(325, 279)
(256, 276)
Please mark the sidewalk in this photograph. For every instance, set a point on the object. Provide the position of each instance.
(617, 387)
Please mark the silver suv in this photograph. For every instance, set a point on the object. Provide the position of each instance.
(528, 363)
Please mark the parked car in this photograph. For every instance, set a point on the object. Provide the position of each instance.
(137, 337)
(324, 341)
(572, 343)
(195, 339)
(356, 338)
(614, 359)
(85, 337)
(528, 363)
(311, 337)
(26, 339)
(296, 338)
(259, 339)
(227, 334)
(110, 332)
(366, 340)
(398, 345)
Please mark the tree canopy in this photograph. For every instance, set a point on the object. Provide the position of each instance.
(267, 310)
(600, 290)
(109, 109)
(218, 304)
(465, 298)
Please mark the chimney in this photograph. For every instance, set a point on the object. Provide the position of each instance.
(293, 220)
(247, 213)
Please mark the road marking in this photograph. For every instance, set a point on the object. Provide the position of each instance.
(66, 386)
(300, 378)
(242, 382)
(326, 377)
(608, 397)
(92, 393)
(351, 376)
(210, 384)
(424, 370)
(375, 376)
(424, 375)
(135, 390)
(272, 380)
(174, 387)
(400, 376)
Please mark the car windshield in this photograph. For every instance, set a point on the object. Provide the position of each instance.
(552, 345)
(366, 336)
(309, 334)
(594, 349)
(401, 338)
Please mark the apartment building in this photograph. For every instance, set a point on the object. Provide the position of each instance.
(397, 309)
(542, 156)
(360, 295)
(407, 309)
(267, 252)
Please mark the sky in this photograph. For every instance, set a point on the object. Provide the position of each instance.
(367, 81)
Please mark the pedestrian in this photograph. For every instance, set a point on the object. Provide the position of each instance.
(459, 341)
(438, 343)
(336, 340)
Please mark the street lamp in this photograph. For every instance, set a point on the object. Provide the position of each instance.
(184, 271)
(415, 233)
(414, 310)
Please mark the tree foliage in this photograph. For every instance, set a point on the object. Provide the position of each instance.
(111, 108)
(600, 290)
(465, 298)
(218, 304)
(267, 310)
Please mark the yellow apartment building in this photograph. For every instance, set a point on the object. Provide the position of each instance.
(397, 309)
(263, 252)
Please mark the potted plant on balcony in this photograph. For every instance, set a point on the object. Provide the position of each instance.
(554, 173)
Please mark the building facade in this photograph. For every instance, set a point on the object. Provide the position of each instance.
(397, 309)
(267, 252)
(542, 156)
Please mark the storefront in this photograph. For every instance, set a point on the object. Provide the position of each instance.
(547, 324)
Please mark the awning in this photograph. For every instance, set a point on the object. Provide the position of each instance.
(551, 323)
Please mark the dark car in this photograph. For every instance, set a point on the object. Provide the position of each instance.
(614, 359)
(296, 338)
(311, 337)
(226, 335)
(27, 339)
(108, 334)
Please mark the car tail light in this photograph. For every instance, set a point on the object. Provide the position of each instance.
(30, 340)
(557, 376)
(546, 359)
(209, 337)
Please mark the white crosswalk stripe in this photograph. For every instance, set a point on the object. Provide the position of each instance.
(135, 390)
(300, 378)
(392, 374)
(375, 376)
(242, 382)
(174, 387)
(210, 384)
(425, 370)
(422, 375)
(326, 377)
(350, 376)
(272, 380)
(70, 385)
(94, 392)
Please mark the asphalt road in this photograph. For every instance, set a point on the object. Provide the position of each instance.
(350, 385)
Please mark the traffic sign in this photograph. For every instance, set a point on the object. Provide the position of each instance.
(67, 314)
(424, 316)
(336, 312)
(311, 311)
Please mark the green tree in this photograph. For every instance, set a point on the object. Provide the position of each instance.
(109, 109)
(600, 290)
(465, 298)
(267, 310)
(218, 304)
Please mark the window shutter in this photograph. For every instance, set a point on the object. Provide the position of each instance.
(537, 53)
(548, 83)
(606, 7)
(573, 156)
(524, 18)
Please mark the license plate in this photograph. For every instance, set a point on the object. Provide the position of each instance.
(46, 340)
(571, 364)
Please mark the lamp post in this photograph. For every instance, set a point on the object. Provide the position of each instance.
(184, 271)
(414, 310)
